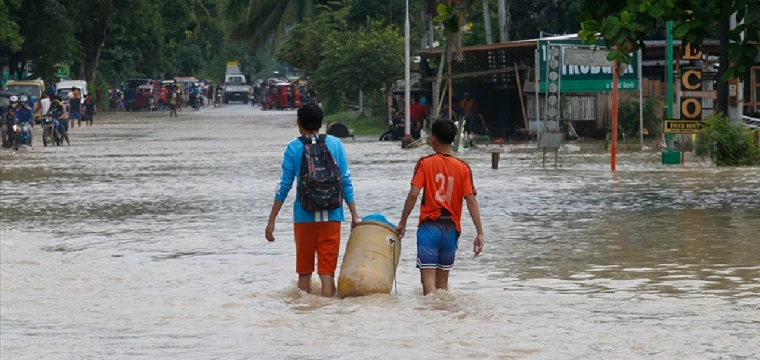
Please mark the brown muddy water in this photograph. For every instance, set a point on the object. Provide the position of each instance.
(144, 240)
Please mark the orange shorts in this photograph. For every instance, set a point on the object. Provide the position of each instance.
(322, 238)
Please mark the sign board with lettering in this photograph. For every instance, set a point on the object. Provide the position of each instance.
(61, 70)
(683, 126)
(587, 78)
(691, 84)
(586, 56)
(704, 94)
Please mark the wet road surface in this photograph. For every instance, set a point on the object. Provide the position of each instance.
(144, 240)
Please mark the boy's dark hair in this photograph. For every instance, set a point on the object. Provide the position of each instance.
(445, 131)
(310, 116)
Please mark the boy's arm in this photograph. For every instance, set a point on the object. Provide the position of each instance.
(418, 182)
(283, 188)
(474, 209)
(348, 187)
(411, 200)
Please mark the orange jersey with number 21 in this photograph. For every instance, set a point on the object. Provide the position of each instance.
(445, 181)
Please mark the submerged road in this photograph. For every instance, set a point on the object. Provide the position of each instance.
(144, 240)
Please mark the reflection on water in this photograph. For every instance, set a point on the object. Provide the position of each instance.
(144, 240)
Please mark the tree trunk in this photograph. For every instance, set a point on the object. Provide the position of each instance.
(437, 85)
(424, 39)
(724, 23)
(487, 22)
(93, 46)
(503, 26)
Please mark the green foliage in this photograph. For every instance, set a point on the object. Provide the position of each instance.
(54, 45)
(9, 29)
(622, 23)
(338, 55)
(360, 125)
(628, 116)
(344, 67)
(391, 11)
(305, 46)
(259, 21)
(729, 145)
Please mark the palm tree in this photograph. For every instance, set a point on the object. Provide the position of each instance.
(258, 21)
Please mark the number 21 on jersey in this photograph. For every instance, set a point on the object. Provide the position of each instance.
(445, 188)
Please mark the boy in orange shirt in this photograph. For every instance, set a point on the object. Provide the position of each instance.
(447, 181)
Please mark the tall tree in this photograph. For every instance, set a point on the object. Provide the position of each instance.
(43, 48)
(625, 25)
(10, 38)
(259, 21)
(93, 33)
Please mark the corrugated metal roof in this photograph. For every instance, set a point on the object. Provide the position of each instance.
(663, 43)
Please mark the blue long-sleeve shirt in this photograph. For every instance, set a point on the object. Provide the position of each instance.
(291, 168)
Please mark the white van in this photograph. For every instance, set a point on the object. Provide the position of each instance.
(65, 87)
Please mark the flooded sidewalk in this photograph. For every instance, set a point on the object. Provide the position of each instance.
(145, 240)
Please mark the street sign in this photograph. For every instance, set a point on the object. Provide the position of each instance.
(586, 78)
(61, 70)
(586, 56)
(683, 126)
(704, 94)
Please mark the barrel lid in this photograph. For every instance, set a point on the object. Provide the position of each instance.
(378, 223)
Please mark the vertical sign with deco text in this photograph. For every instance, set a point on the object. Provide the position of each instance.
(691, 84)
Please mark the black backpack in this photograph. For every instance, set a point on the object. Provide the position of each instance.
(320, 185)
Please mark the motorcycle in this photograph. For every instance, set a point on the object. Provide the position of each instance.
(195, 101)
(23, 133)
(51, 135)
(218, 98)
(8, 132)
(395, 130)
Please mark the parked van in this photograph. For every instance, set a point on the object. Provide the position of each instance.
(64, 88)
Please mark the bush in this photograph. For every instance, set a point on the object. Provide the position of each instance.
(728, 144)
(628, 117)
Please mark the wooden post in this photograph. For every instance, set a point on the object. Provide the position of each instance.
(522, 102)
(451, 106)
(495, 160)
(615, 78)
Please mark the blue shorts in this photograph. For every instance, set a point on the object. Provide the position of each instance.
(437, 245)
(75, 116)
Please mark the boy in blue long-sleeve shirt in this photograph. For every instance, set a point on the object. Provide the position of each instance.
(315, 232)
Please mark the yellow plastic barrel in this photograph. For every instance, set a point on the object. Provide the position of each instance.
(369, 264)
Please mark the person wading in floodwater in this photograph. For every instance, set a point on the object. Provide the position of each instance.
(446, 180)
(173, 103)
(320, 165)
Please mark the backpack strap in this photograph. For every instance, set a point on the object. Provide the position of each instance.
(312, 139)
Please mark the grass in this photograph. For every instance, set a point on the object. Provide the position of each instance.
(361, 125)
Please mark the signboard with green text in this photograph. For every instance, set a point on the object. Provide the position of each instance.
(62, 70)
(584, 79)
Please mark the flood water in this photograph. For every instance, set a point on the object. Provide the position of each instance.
(145, 240)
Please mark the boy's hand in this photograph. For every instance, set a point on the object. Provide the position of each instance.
(354, 221)
(401, 230)
(269, 232)
(477, 247)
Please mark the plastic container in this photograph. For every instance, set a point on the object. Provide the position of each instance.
(371, 258)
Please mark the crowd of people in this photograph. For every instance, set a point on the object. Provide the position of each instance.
(62, 112)
(419, 113)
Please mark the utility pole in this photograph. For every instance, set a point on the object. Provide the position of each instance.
(503, 28)
(407, 83)
(487, 22)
